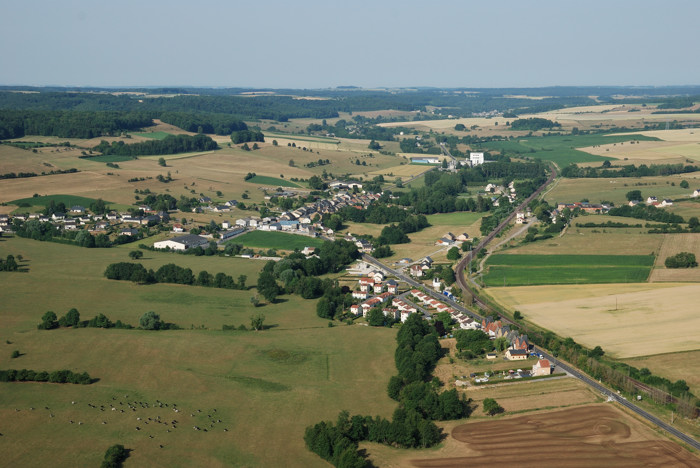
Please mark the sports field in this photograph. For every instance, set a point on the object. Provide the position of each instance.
(621, 318)
(519, 270)
(276, 240)
(299, 371)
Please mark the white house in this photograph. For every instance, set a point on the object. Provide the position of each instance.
(541, 367)
(476, 158)
(696, 193)
(182, 243)
(651, 200)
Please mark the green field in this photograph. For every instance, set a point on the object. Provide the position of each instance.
(523, 270)
(298, 372)
(289, 136)
(154, 135)
(265, 180)
(560, 149)
(105, 158)
(464, 218)
(68, 200)
(276, 240)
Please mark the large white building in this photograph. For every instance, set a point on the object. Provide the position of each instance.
(182, 243)
(476, 158)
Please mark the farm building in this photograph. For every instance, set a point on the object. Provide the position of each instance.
(476, 159)
(182, 243)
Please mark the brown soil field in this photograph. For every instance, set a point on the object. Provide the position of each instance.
(623, 319)
(673, 366)
(596, 435)
(673, 244)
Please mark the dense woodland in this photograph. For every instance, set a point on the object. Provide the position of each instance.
(69, 124)
(607, 170)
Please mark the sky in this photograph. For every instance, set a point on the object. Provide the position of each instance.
(327, 43)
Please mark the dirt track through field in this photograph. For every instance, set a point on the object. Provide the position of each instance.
(570, 438)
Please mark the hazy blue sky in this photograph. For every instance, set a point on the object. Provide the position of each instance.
(318, 44)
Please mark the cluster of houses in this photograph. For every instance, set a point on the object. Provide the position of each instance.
(499, 191)
(417, 270)
(300, 221)
(593, 208)
(464, 322)
(372, 294)
(208, 205)
(79, 218)
(653, 201)
(450, 239)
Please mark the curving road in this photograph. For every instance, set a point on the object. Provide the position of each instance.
(459, 273)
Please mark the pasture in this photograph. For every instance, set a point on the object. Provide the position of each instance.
(158, 135)
(68, 200)
(672, 245)
(276, 240)
(519, 270)
(299, 371)
(621, 318)
(615, 190)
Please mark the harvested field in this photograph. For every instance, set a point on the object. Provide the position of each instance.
(673, 244)
(677, 146)
(594, 315)
(89, 184)
(673, 366)
(597, 435)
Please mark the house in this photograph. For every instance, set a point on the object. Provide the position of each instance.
(476, 159)
(541, 367)
(204, 200)
(404, 315)
(355, 309)
(516, 354)
(520, 217)
(178, 228)
(308, 250)
(366, 284)
(231, 203)
(521, 342)
(463, 237)
(651, 200)
(378, 288)
(221, 209)
(182, 243)
(392, 286)
(436, 284)
(361, 295)
(378, 276)
(666, 202)
(696, 193)
(364, 246)
(444, 241)
(70, 225)
(416, 271)
(633, 203)
(78, 209)
(129, 232)
(391, 313)
(56, 216)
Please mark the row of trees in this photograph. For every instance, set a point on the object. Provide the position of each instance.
(609, 171)
(171, 144)
(22, 175)
(171, 273)
(49, 321)
(245, 136)
(646, 212)
(59, 376)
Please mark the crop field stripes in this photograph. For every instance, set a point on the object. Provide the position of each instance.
(523, 270)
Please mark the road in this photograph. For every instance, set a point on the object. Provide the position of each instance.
(557, 363)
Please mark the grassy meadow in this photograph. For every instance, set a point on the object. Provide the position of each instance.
(45, 200)
(267, 180)
(264, 386)
(520, 270)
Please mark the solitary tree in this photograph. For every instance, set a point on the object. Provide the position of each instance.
(161, 162)
(491, 407)
(135, 254)
(453, 254)
(256, 321)
(150, 321)
(49, 321)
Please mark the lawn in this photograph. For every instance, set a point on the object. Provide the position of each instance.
(154, 135)
(519, 270)
(560, 149)
(276, 240)
(299, 371)
(267, 180)
(68, 200)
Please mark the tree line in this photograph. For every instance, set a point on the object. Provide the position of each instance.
(411, 426)
(171, 273)
(171, 144)
(533, 124)
(22, 175)
(59, 376)
(646, 212)
(47, 232)
(244, 136)
(610, 171)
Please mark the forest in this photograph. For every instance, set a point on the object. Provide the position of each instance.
(171, 144)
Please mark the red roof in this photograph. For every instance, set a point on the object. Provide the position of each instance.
(544, 363)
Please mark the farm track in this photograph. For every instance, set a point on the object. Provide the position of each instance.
(484, 306)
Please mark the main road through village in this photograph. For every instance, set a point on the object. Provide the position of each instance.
(461, 281)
